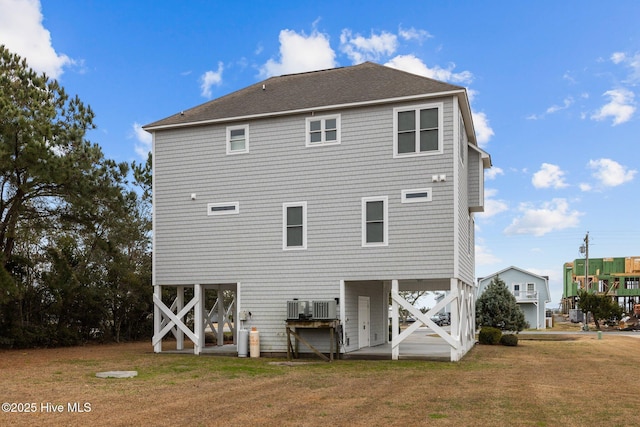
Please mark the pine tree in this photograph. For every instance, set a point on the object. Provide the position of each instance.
(497, 307)
(74, 237)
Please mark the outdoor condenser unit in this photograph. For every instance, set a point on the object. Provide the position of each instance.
(298, 310)
(323, 310)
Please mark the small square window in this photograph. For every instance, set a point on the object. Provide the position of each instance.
(323, 130)
(237, 139)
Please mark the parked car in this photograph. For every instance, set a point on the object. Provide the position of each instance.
(441, 319)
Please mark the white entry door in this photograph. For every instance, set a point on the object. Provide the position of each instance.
(364, 322)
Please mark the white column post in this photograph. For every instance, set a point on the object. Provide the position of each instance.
(198, 319)
(221, 315)
(455, 317)
(343, 314)
(395, 324)
(179, 307)
(386, 291)
(236, 320)
(472, 316)
(157, 318)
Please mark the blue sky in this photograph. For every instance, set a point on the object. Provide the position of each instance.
(554, 89)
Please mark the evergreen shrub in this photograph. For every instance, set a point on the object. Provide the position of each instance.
(509, 339)
(489, 335)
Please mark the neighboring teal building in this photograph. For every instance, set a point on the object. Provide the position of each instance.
(617, 277)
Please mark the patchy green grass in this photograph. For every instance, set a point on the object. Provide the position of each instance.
(541, 382)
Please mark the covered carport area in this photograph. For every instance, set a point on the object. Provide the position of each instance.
(448, 343)
(459, 298)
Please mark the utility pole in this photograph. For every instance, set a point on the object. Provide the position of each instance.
(585, 249)
(586, 262)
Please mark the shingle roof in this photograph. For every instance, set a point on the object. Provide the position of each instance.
(366, 82)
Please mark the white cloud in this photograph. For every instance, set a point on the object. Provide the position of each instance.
(413, 34)
(412, 64)
(492, 173)
(211, 78)
(549, 176)
(551, 216)
(360, 49)
(621, 106)
(631, 61)
(22, 32)
(568, 77)
(484, 255)
(484, 132)
(618, 57)
(610, 173)
(492, 206)
(144, 139)
(300, 53)
(585, 187)
(568, 101)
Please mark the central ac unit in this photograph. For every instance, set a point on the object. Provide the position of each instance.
(298, 310)
(324, 310)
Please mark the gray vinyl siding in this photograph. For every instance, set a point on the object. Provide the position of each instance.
(379, 314)
(192, 247)
(466, 252)
(475, 173)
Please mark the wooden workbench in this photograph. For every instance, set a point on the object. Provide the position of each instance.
(293, 326)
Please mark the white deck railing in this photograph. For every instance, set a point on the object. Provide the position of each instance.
(523, 296)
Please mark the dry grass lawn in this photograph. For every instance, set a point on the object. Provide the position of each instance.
(581, 381)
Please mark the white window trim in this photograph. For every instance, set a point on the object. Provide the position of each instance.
(440, 107)
(304, 226)
(323, 119)
(246, 139)
(234, 211)
(406, 199)
(385, 228)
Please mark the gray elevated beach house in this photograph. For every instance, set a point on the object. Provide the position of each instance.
(317, 196)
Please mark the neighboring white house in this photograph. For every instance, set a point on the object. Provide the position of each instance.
(531, 292)
(348, 185)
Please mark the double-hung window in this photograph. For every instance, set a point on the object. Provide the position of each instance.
(531, 290)
(294, 225)
(238, 139)
(375, 222)
(417, 130)
(323, 130)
